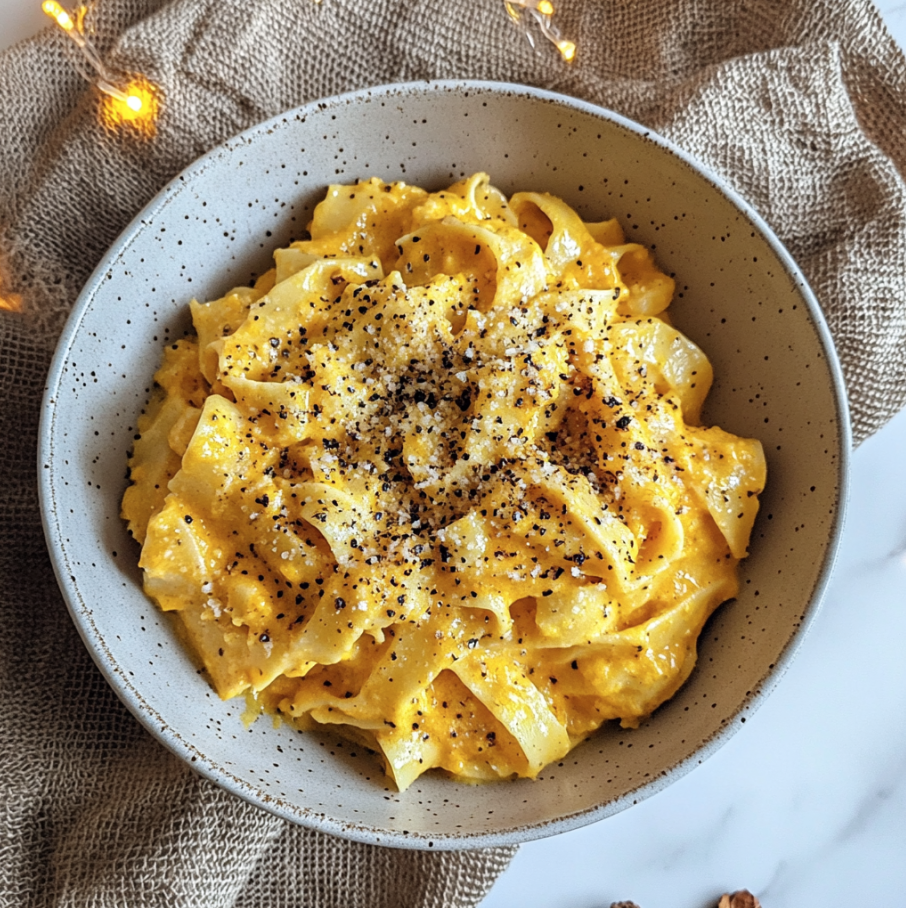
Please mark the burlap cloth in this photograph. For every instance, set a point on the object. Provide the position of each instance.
(800, 104)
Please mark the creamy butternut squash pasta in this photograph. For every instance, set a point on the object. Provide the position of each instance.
(438, 480)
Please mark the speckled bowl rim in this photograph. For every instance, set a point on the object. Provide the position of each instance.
(129, 692)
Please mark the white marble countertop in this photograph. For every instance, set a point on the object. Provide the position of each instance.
(807, 805)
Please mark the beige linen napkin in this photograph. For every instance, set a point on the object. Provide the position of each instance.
(799, 104)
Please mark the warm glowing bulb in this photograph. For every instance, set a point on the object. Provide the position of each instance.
(567, 49)
(58, 14)
(135, 104)
(545, 7)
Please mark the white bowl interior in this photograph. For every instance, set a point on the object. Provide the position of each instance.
(739, 297)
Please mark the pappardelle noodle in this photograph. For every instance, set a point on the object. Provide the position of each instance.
(438, 480)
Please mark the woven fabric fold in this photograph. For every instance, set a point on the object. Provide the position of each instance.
(800, 105)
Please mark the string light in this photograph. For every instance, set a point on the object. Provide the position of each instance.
(56, 12)
(134, 102)
(541, 12)
(9, 301)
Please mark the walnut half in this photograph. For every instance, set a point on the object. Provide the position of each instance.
(741, 899)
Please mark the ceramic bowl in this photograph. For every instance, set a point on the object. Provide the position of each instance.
(740, 297)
